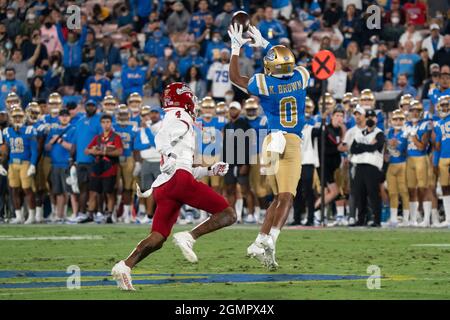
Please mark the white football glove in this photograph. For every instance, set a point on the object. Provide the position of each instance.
(218, 169)
(137, 169)
(237, 41)
(169, 165)
(3, 171)
(258, 39)
(31, 170)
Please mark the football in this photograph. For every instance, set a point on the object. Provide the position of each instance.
(241, 18)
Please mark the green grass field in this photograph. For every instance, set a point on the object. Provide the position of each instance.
(409, 270)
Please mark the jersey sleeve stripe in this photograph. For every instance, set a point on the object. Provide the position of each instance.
(305, 76)
(261, 83)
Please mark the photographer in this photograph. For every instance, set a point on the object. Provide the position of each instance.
(106, 148)
(367, 155)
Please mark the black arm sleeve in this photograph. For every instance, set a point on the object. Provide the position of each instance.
(374, 147)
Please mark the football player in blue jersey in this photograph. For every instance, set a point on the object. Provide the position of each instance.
(444, 86)
(282, 93)
(443, 145)
(58, 145)
(404, 104)
(222, 111)
(349, 107)
(127, 133)
(109, 106)
(418, 132)
(396, 174)
(12, 99)
(21, 147)
(258, 182)
(135, 104)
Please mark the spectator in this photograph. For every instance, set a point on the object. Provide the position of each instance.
(11, 22)
(28, 47)
(443, 87)
(106, 147)
(12, 84)
(282, 8)
(405, 62)
(271, 29)
(141, 10)
(125, 19)
(442, 56)
(213, 48)
(393, 30)
(404, 86)
(22, 68)
(353, 56)
(38, 89)
(332, 14)
(337, 47)
(383, 64)
(72, 53)
(421, 68)
(223, 19)
(155, 44)
(49, 35)
(218, 76)
(411, 35)
(178, 21)
(416, 13)
(197, 22)
(133, 78)
(193, 59)
(246, 65)
(107, 53)
(398, 10)
(29, 25)
(100, 14)
(171, 74)
(97, 86)
(434, 41)
(365, 77)
(195, 82)
(432, 83)
(337, 83)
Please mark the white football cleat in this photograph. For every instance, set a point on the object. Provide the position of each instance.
(16, 221)
(30, 219)
(250, 218)
(185, 242)
(122, 274)
(145, 220)
(269, 248)
(424, 224)
(256, 251)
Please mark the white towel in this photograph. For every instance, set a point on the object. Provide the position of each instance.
(144, 137)
(277, 143)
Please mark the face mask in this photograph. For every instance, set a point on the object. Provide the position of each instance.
(395, 20)
(229, 98)
(370, 123)
(48, 25)
(10, 16)
(124, 56)
(364, 62)
(117, 74)
(216, 39)
(8, 45)
(398, 127)
(194, 53)
(168, 52)
(334, 46)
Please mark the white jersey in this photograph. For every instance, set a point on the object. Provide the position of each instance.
(219, 74)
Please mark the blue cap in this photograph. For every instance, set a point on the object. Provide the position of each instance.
(156, 108)
(91, 101)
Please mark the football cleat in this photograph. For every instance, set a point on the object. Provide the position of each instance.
(256, 251)
(31, 219)
(269, 248)
(122, 274)
(185, 242)
(250, 218)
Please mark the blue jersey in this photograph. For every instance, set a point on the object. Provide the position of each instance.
(380, 119)
(282, 99)
(397, 154)
(422, 128)
(22, 144)
(443, 136)
(97, 89)
(260, 126)
(53, 122)
(144, 140)
(135, 121)
(349, 120)
(210, 136)
(436, 93)
(58, 154)
(85, 130)
(76, 117)
(127, 133)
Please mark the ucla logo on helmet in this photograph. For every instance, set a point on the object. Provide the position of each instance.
(270, 55)
(286, 58)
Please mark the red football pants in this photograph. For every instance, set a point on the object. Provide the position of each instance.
(182, 189)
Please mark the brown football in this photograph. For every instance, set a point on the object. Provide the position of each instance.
(241, 17)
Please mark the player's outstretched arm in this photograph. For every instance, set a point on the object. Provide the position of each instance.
(237, 41)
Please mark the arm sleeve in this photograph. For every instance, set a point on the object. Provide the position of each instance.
(199, 172)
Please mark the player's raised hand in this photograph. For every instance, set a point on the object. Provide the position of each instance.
(237, 40)
(218, 169)
(258, 39)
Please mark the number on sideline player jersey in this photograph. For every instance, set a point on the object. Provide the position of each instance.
(397, 154)
(443, 136)
(282, 99)
(22, 144)
(422, 127)
(127, 133)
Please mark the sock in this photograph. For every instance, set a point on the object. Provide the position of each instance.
(260, 237)
(126, 211)
(31, 213)
(274, 233)
(53, 208)
(19, 214)
(405, 215)
(413, 206)
(65, 210)
(394, 212)
(347, 210)
(434, 216)
(141, 208)
(239, 206)
(340, 211)
(427, 211)
(256, 213)
(317, 215)
(39, 212)
(446, 202)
